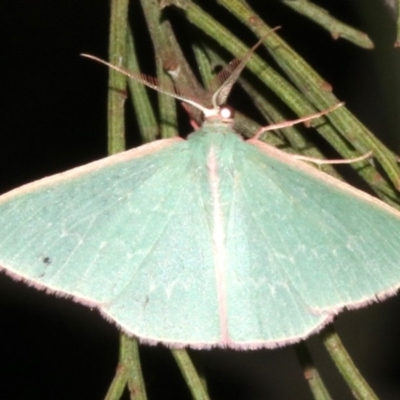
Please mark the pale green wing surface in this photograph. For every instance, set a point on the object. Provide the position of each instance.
(301, 246)
(210, 241)
(128, 234)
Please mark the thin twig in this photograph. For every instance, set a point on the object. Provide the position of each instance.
(117, 82)
(397, 41)
(144, 112)
(357, 384)
(130, 357)
(166, 104)
(310, 372)
(190, 374)
(118, 384)
(336, 28)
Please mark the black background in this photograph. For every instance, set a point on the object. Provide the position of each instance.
(53, 117)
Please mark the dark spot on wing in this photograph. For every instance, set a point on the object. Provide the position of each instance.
(46, 260)
(146, 301)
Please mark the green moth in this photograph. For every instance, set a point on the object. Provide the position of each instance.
(209, 241)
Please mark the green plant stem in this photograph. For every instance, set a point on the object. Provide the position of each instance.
(130, 357)
(203, 61)
(336, 28)
(117, 81)
(190, 374)
(310, 372)
(144, 112)
(357, 384)
(166, 104)
(128, 372)
(397, 41)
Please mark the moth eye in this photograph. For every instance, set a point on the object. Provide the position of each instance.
(226, 112)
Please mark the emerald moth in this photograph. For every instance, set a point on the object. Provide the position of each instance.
(209, 241)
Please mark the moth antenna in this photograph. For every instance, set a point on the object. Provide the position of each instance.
(150, 82)
(217, 85)
(224, 73)
(230, 74)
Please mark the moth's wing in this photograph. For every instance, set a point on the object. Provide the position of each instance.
(128, 235)
(302, 246)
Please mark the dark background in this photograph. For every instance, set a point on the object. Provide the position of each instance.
(53, 117)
